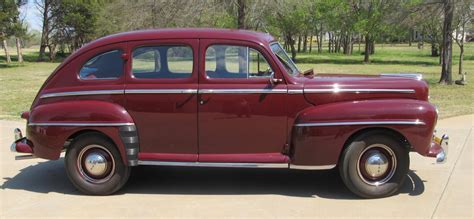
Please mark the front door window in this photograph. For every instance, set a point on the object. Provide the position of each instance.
(227, 61)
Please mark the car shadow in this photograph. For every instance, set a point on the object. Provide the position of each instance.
(50, 176)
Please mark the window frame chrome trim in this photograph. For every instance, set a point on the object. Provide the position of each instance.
(101, 124)
(243, 91)
(349, 90)
(82, 93)
(319, 124)
(161, 91)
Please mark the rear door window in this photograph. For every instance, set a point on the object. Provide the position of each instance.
(107, 65)
(162, 62)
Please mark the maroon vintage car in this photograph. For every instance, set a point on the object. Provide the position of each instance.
(223, 98)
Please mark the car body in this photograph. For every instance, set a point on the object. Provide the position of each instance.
(223, 98)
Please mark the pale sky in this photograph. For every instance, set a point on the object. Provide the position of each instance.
(31, 15)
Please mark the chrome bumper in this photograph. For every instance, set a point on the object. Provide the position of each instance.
(439, 148)
(20, 145)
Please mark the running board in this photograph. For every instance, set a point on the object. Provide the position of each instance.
(25, 157)
(234, 165)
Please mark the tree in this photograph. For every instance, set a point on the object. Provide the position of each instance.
(463, 17)
(45, 7)
(288, 21)
(447, 44)
(375, 17)
(67, 24)
(19, 30)
(8, 13)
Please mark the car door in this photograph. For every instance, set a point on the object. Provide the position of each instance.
(161, 97)
(242, 115)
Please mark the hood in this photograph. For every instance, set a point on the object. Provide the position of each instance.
(326, 88)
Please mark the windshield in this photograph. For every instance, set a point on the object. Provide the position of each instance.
(284, 58)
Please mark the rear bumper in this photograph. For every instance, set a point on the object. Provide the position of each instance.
(439, 148)
(23, 146)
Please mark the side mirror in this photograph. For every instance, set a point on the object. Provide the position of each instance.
(274, 80)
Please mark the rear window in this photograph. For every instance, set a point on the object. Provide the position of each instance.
(162, 62)
(107, 65)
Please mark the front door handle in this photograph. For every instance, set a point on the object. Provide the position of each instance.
(202, 101)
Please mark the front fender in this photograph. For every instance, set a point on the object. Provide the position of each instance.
(51, 124)
(320, 132)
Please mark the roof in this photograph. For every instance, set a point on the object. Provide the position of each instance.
(181, 33)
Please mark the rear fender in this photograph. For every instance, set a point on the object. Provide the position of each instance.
(51, 125)
(320, 132)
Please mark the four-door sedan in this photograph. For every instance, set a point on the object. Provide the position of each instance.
(223, 98)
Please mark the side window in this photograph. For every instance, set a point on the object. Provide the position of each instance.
(108, 65)
(226, 61)
(162, 62)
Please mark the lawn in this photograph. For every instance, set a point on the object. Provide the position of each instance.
(20, 83)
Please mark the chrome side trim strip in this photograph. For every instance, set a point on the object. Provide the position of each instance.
(314, 124)
(416, 76)
(304, 167)
(295, 91)
(210, 164)
(78, 124)
(166, 91)
(344, 90)
(242, 91)
(161, 91)
(82, 93)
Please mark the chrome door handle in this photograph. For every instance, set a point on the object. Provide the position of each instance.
(202, 101)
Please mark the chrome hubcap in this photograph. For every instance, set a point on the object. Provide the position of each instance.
(95, 164)
(376, 164)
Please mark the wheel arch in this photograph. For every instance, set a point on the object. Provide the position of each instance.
(118, 144)
(397, 135)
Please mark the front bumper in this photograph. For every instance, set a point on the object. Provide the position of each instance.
(22, 145)
(439, 148)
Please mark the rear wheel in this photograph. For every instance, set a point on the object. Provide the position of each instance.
(374, 165)
(94, 165)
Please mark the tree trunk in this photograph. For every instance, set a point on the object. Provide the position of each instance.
(291, 43)
(320, 41)
(241, 4)
(434, 50)
(461, 57)
(410, 36)
(359, 40)
(7, 54)
(293, 52)
(305, 43)
(18, 50)
(367, 49)
(45, 32)
(299, 43)
(372, 47)
(330, 42)
(310, 43)
(52, 52)
(446, 64)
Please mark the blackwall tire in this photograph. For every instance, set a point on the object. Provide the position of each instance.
(374, 165)
(94, 165)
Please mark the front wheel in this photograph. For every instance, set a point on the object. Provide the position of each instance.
(374, 165)
(94, 165)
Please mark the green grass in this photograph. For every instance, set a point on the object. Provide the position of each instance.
(19, 83)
